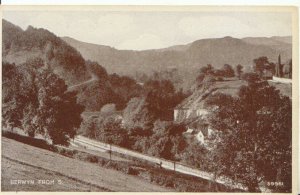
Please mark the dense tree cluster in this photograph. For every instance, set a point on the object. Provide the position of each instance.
(165, 140)
(144, 119)
(107, 129)
(262, 64)
(256, 134)
(37, 101)
(239, 70)
(218, 74)
(105, 89)
(157, 101)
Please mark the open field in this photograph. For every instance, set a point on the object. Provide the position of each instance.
(21, 161)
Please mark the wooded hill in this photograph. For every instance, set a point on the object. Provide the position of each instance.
(216, 51)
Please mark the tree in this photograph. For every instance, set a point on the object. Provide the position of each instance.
(239, 70)
(208, 69)
(12, 105)
(255, 133)
(136, 115)
(161, 98)
(44, 104)
(228, 71)
(166, 141)
(260, 65)
(89, 127)
(195, 154)
(125, 87)
(110, 131)
(290, 68)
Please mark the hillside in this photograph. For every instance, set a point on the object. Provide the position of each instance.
(94, 85)
(24, 162)
(190, 56)
(197, 101)
(19, 46)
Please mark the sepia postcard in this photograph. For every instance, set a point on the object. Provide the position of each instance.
(150, 99)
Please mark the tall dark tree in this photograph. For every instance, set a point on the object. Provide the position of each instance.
(260, 65)
(161, 98)
(239, 70)
(256, 135)
(228, 71)
(208, 69)
(290, 68)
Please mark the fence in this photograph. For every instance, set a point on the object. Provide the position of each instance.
(171, 165)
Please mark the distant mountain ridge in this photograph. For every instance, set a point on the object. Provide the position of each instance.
(218, 51)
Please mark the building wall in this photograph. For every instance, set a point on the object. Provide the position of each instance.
(200, 137)
(282, 80)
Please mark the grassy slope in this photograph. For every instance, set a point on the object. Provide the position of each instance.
(285, 89)
(12, 169)
(21, 161)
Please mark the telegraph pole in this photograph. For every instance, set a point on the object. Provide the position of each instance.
(174, 165)
(109, 151)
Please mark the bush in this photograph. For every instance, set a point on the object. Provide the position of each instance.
(92, 159)
(220, 79)
(132, 171)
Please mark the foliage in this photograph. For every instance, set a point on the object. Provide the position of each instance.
(260, 65)
(208, 69)
(227, 71)
(165, 142)
(256, 134)
(11, 102)
(290, 68)
(125, 87)
(96, 94)
(195, 155)
(210, 74)
(158, 100)
(97, 70)
(162, 98)
(239, 70)
(106, 89)
(43, 103)
(136, 115)
(106, 129)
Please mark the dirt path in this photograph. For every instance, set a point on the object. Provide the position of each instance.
(94, 78)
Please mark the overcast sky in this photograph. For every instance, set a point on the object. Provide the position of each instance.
(152, 30)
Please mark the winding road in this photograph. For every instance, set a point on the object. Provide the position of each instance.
(80, 141)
